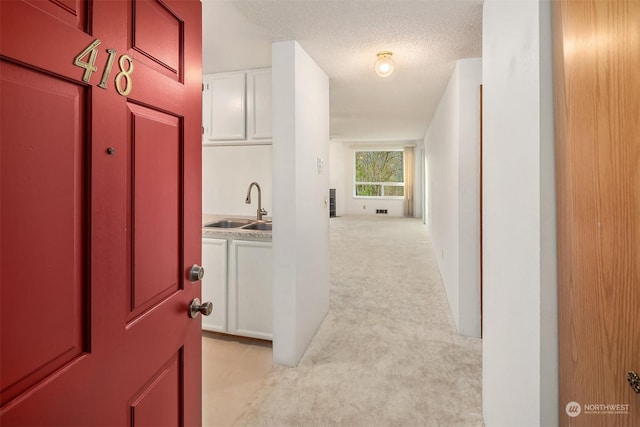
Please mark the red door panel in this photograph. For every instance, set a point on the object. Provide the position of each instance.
(72, 12)
(100, 212)
(43, 184)
(149, 407)
(158, 34)
(41, 39)
(157, 184)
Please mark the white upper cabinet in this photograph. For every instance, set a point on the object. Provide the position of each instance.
(259, 104)
(237, 108)
(228, 106)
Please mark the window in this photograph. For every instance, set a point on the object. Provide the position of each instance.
(379, 173)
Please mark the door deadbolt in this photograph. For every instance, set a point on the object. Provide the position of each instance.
(206, 308)
(196, 273)
(634, 381)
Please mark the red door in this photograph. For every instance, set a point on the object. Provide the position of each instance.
(100, 212)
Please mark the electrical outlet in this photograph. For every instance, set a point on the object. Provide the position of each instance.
(364, 206)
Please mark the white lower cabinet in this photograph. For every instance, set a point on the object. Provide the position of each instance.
(238, 282)
(250, 309)
(214, 283)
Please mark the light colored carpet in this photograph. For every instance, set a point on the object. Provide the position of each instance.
(387, 353)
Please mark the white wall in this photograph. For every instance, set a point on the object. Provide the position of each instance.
(300, 200)
(368, 206)
(520, 371)
(452, 146)
(342, 179)
(227, 172)
(470, 77)
(418, 179)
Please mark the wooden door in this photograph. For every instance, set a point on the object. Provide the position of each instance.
(100, 212)
(597, 92)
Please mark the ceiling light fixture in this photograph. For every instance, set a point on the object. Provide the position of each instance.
(384, 64)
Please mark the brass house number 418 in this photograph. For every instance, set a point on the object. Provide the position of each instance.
(123, 78)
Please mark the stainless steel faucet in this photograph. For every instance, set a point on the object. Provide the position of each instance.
(261, 211)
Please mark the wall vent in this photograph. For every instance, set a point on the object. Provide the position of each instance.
(382, 211)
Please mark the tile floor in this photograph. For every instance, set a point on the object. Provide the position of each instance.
(232, 371)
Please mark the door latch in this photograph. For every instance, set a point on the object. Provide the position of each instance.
(634, 381)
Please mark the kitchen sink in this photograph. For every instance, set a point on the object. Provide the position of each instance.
(258, 225)
(245, 224)
(229, 223)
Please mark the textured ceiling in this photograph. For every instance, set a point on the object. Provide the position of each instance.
(343, 37)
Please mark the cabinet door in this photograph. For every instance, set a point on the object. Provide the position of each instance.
(206, 107)
(214, 283)
(250, 290)
(228, 112)
(259, 104)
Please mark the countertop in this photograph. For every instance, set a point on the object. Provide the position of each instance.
(233, 233)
